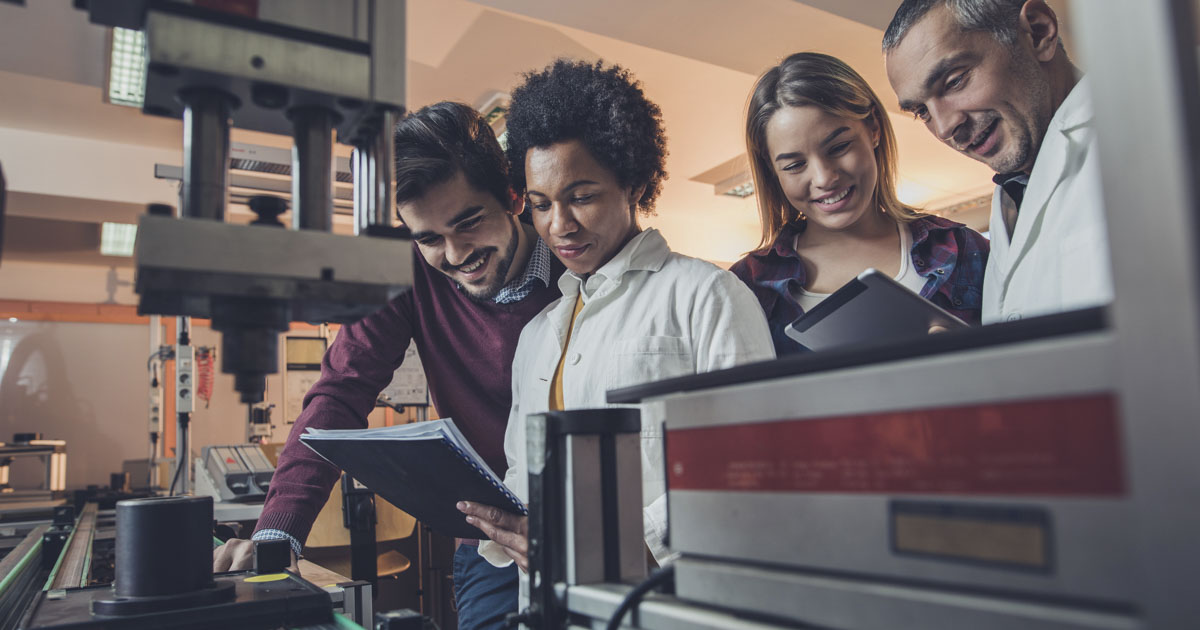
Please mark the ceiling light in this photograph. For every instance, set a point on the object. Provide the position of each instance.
(741, 190)
(730, 178)
(116, 239)
(127, 67)
(494, 108)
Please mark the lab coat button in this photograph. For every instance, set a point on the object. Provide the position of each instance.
(575, 358)
(1012, 317)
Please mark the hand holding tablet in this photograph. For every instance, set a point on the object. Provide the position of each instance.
(871, 308)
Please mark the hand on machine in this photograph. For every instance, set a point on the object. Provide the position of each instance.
(238, 555)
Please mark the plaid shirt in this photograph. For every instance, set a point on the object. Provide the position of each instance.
(950, 256)
(536, 270)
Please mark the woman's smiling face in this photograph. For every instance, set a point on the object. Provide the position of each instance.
(825, 164)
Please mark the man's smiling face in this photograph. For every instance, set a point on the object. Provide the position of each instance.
(986, 99)
(465, 233)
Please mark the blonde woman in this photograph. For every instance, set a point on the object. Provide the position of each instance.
(823, 156)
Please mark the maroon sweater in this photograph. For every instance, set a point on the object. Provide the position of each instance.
(467, 350)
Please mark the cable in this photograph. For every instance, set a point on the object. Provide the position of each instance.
(175, 479)
(634, 597)
(181, 447)
(158, 356)
(152, 460)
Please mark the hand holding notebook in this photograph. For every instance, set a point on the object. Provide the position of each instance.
(423, 468)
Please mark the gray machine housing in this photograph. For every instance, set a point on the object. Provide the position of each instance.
(236, 473)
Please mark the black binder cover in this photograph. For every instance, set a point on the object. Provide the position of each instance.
(425, 477)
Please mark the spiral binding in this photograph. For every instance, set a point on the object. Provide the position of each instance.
(490, 478)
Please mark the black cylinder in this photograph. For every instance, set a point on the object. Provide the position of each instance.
(164, 546)
(312, 169)
(384, 185)
(205, 153)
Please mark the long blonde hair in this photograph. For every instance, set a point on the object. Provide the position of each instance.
(827, 83)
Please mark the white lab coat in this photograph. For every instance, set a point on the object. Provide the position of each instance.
(648, 314)
(1058, 257)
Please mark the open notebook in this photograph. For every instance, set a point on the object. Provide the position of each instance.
(423, 468)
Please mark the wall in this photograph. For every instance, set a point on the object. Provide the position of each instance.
(87, 381)
(81, 382)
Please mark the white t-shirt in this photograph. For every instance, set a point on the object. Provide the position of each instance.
(907, 276)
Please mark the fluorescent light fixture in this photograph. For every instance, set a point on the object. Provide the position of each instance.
(730, 178)
(116, 239)
(741, 190)
(740, 185)
(494, 108)
(495, 115)
(127, 68)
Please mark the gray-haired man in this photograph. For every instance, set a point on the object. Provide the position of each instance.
(990, 78)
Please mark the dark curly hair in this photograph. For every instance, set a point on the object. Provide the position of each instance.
(603, 107)
(441, 140)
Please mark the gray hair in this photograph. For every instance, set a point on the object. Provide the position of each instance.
(998, 17)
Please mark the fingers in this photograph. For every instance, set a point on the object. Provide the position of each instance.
(221, 558)
(505, 537)
(506, 529)
(234, 555)
(521, 559)
(935, 329)
(496, 516)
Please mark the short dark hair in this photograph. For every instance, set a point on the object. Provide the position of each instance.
(998, 17)
(603, 107)
(441, 140)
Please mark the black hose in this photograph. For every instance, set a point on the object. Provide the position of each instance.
(634, 597)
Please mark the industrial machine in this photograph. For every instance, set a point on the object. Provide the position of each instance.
(303, 70)
(1036, 474)
(239, 472)
(311, 71)
(52, 455)
(148, 564)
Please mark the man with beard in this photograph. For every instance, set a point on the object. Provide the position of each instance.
(990, 78)
(479, 275)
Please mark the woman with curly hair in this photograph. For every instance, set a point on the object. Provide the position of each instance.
(587, 148)
(823, 157)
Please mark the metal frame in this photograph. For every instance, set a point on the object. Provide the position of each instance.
(1147, 105)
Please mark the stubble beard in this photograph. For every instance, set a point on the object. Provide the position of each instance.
(1027, 128)
(488, 293)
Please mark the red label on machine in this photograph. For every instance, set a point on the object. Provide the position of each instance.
(1064, 446)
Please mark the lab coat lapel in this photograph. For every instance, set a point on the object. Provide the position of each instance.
(1000, 243)
(1048, 173)
(560, 316)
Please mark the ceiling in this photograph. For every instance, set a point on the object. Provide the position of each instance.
(698, 59)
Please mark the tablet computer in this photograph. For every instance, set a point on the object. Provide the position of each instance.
(870, 308)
